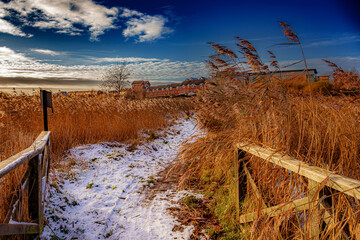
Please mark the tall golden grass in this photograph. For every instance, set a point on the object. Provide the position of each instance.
(321, 130)
(77, 120)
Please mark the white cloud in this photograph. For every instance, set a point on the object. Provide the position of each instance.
(147, 28)
(13, 64)
(45, 51)
(6, 27)
(63, 14)
(130, 13)
(10, 56)
(129, 59)
(72, 17)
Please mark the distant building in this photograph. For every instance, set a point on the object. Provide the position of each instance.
(323, 78)
(189, 87)
(289, 74)
(140, 85)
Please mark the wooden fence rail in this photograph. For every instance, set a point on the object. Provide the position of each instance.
(32, 188)
(319, 183)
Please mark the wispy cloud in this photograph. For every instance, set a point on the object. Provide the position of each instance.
(46, 51)
(335, 41)
(128, 59)
(33, 82)
(6, 27)
(18, 65)
(130, 13)
(7, 55)
(76, 17)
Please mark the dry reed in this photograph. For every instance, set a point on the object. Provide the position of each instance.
(321, 130)
(77, 120)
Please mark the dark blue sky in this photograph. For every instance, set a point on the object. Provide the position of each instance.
(69, 39)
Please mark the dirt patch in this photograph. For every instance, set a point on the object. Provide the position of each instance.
(191, 210)
(164, 181)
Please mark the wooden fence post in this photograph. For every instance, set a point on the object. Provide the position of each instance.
(35, 195)
(314, 213)
(240, 178)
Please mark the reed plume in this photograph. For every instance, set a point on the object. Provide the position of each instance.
(321, 130)
(292, 37)
(344, 81)
(274, 63)
(289, 32)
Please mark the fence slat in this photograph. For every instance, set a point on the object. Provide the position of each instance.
(297, 205)
(236, 177)
(240, 178)
(254, 187)
(314, 213)
(24, 156)
(17, 228)
(33, 200)
(40, 195)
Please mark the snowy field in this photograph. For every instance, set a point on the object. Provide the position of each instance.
(102, 197)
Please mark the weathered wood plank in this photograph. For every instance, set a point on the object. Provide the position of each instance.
(19, 228)
(254, 187)
(343, 184)
(236, 179)
(45, 160)
(257, 192)
(297, 205)
(314, 217)
(239, 177)
(40, 195)
(33, 200)
(18, 194)
(24, 156)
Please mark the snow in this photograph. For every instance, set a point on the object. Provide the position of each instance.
(103, 195)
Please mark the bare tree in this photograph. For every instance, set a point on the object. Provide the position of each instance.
(116, 77)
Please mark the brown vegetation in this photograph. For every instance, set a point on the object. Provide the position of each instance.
(321, 130)
(345, 81)
(77, 120)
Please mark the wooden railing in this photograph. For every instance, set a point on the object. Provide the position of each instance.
(320, 181)
(32, 188)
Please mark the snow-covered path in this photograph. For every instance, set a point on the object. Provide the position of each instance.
(102, 197)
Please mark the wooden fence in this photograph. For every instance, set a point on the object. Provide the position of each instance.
(319, 183)
(32, 188)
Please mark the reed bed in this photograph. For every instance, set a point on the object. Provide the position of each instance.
(320, 126)
(320, 130)
(77, 120)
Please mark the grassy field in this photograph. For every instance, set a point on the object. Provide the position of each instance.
(77, 120)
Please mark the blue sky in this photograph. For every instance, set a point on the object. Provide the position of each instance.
(70, 43)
